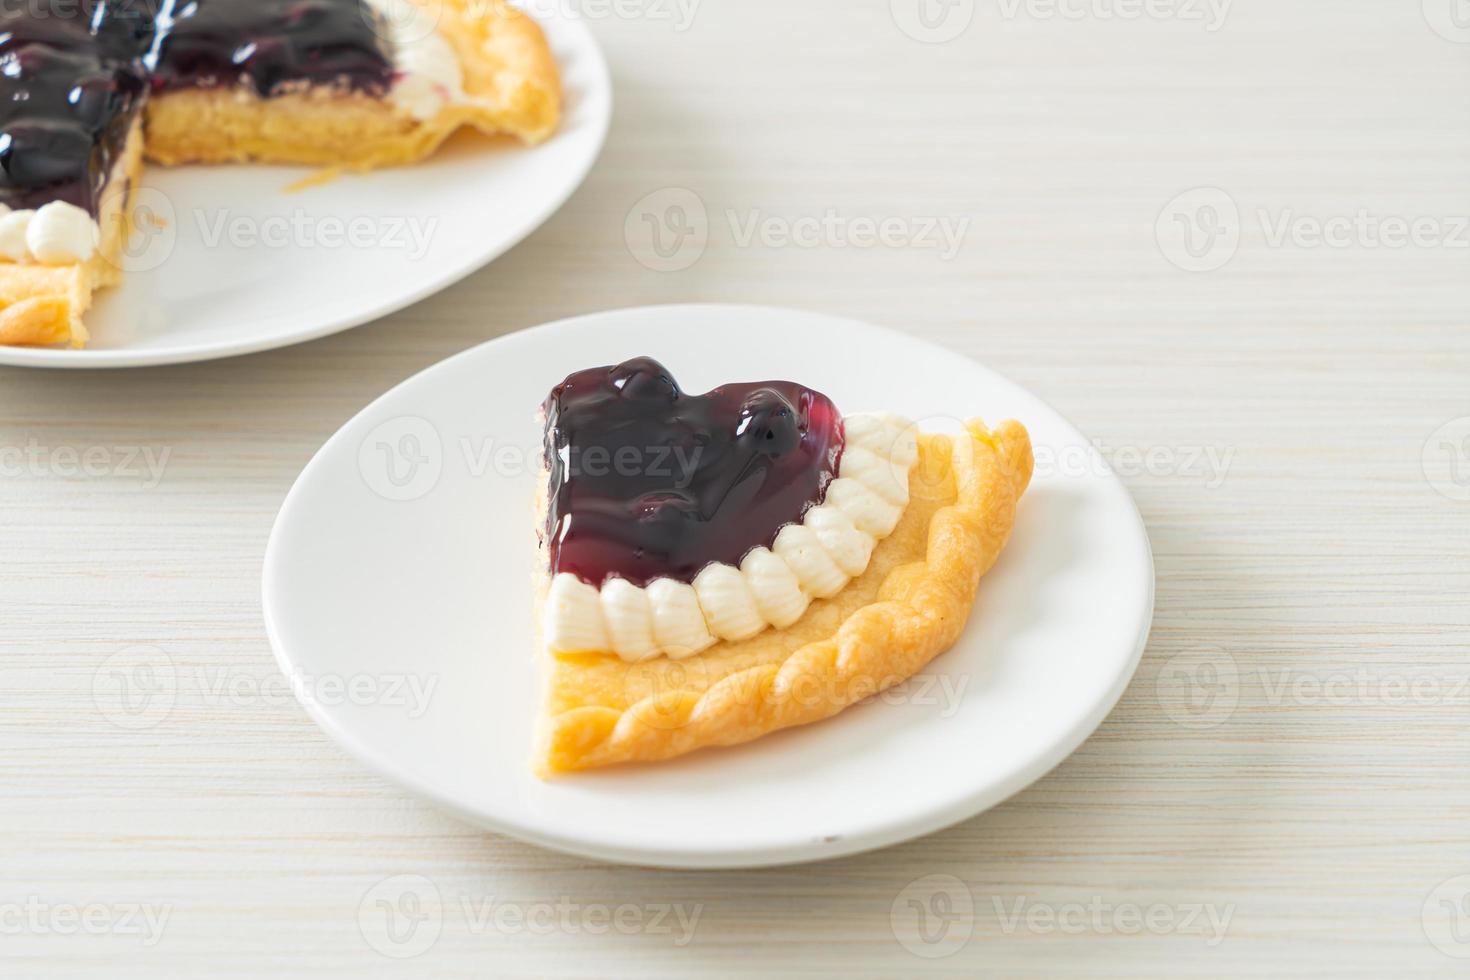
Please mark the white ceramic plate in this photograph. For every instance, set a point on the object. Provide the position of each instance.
(404, 553)
(239, 264)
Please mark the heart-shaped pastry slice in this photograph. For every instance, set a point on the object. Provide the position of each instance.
(719, 566)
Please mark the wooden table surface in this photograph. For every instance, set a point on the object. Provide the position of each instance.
(1228, 240)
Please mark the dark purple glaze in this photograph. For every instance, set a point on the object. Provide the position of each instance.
(71, 83)
(273, 44)
(74, 74)
(647, 482)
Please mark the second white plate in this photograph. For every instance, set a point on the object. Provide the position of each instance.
(397, 595)
(230, 262)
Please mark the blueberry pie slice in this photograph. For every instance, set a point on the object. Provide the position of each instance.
(716, 567)
(350, 83)
(88, 88)
(72, 90)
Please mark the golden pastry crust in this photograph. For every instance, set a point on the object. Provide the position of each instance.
(907, 608)
(509, 75)
(43, 304)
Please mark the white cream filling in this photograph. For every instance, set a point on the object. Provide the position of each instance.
(56, 234)
(814, 559)
(430, 75)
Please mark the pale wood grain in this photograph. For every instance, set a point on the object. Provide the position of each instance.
(1321, 825)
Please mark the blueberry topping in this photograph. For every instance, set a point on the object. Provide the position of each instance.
(649, 482)
(71, 83)
(74, 74)
(271, 45)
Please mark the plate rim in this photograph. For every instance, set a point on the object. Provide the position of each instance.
(801, 851)
(116, 358)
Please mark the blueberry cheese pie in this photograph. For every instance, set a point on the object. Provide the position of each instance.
(89, 88)
(72, 91)
(353, 83)
(716, 567)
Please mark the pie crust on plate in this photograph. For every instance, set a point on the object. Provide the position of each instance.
(908, 607)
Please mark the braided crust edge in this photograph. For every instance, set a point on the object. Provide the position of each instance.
(920, 611)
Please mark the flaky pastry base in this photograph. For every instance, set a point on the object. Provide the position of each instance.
(509, 76)
(907, 608)
(43, 304)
